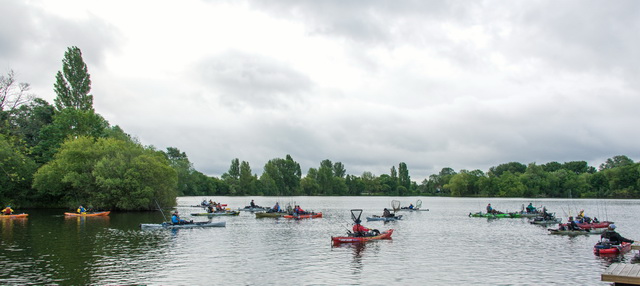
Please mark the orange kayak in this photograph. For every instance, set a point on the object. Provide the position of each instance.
(312, 215)
(347, 239)
(14, 216)
(88, 214)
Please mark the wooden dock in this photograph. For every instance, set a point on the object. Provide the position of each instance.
(622, 273)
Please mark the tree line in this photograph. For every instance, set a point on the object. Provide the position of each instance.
(66, 154)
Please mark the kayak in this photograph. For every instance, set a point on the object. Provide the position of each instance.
(603, 224)
(227, 213)
(505, 215)
(165, 225)
(546, 221)
(255, 209)
(311, 215)
(569, 232)
(350, 239)
(271, 214)
(605, 248)
(413, 210)
(14, 216)
(88, 214)
(379, 218)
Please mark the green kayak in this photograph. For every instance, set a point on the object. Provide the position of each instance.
(504, 215)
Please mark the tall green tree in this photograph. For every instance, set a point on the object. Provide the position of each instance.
(404, 179)
(616, 161)
(246, 180)
(73, 83)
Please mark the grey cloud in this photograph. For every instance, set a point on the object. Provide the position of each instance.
(243, 80)
(29, 36)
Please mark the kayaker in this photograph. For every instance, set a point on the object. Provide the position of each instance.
(276, 207)
(361, 230)
(252, 204)
(611, 236)
(175, 219)
(410, 206)
(81, 210)
(387, 213)
(489, 209)
(298, 210)
(572, 225)
(7, 211)
(531, 208)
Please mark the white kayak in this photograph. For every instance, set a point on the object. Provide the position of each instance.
(187, 225)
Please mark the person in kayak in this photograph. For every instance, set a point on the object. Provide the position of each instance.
(276, 208)
(572, 225)
(7, 211)
(410, 206)
(175, 219)
(387, 213)
(298, 210)
(489, 209)
(361, 230)
(81, 210)
(611, 236)
(252, 204)
(531, 208)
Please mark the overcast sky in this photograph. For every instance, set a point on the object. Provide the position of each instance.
(434, 84)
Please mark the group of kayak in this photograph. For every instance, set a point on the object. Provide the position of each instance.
(8, 212)
(610, 242)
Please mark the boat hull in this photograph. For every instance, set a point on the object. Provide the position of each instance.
(358, 239)
(14, 216)
(393, 218)
(178, 226)
(229, 213)
(612, 249)
(89, 214)
(272, 215)
(314, 215)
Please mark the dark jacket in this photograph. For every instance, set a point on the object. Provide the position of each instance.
(614, 237)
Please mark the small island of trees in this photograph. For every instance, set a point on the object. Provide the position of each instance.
(66, 154)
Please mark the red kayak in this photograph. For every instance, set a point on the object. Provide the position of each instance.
(602, 224)
(311, 215)
(600, 249)
(350, 239)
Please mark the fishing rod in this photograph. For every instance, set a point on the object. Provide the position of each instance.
(159, 208)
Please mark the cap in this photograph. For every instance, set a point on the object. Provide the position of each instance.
(612, 226)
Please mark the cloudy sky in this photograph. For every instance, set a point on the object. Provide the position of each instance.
(434, 84)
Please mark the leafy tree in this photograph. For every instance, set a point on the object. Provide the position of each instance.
(246, 180)
(509, 185)
(232, 177)
(309, 184)
(73, 83)
(404, 179)
(578, 167)
(513, 167)
(27, 121)
(68, 123)
(281, 176)
(107, 173)
(16, 174)
(325, 177)
(184, 169)
(616, 161)
(339, 170)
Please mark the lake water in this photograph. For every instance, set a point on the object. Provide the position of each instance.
(442, 246)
